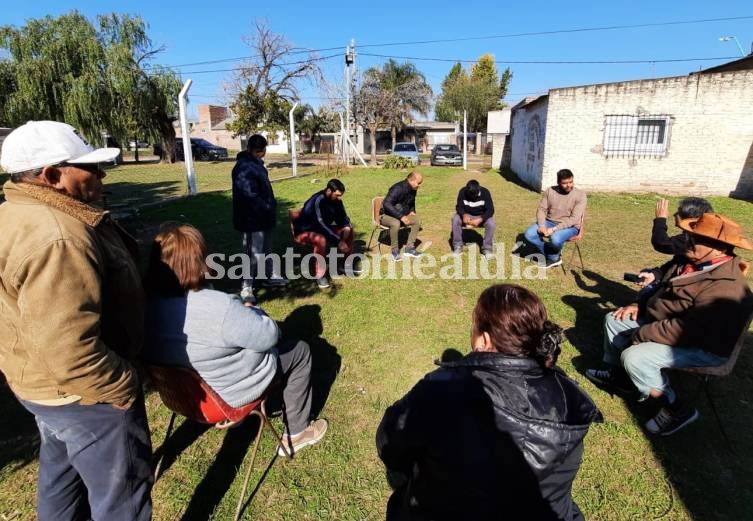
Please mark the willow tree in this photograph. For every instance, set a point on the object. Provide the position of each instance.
(97, 78)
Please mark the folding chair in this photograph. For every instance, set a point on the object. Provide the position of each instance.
(575, 239)
(184, 392)
(707, 372)
(376, 208)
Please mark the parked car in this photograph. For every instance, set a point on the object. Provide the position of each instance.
(407, 150)
(201, 150)
(132, 145)
(446, 155)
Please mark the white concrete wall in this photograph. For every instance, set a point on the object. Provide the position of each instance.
(710, 148)
(529, 132)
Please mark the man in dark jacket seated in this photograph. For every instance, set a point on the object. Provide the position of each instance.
(693, 317)
(324, 224)
(399, 209)
(475, 208)
(687, 208)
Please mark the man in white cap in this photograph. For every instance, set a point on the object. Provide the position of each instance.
(71, 314)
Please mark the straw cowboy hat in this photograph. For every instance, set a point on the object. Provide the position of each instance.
(717, 227)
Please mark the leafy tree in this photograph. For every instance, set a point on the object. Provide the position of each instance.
(411, 92)
(311, 123)
(94, 78)
(374, 106)
(444, 111)
(266, 87)
(477, 93)
(388, 97)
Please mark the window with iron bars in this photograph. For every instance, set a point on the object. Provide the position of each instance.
(632, 136)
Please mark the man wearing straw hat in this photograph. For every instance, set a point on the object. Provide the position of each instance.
(693, 318)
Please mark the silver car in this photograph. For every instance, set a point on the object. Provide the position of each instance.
(407, 150)
(446, 155)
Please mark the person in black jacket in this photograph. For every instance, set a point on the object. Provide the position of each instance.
(497, 434)
(324, 224)
(255, 213)
(689, 207)
(399, 209)
(474, 207)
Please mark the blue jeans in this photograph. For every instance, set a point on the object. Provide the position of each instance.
(644, 362)
(489, 226)
(256, 244)
(95, 452)
(550, 249)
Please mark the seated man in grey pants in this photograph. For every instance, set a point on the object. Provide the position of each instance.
(399, 208)
(474, 208)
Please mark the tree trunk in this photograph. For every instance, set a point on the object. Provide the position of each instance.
(167, 133)
(372, 139)
(393, 132)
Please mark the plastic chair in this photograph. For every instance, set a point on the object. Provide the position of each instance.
(184, 392)
(706, 372)
(575, 239)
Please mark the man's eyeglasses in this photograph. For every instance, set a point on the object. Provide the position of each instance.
(92, 168)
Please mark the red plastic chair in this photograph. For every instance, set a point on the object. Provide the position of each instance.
(184, 392)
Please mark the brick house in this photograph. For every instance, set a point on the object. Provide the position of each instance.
(690, 135)
(212, 126)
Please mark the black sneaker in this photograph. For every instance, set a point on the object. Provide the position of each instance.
(611, 380)
(668, 422)
(553, 263)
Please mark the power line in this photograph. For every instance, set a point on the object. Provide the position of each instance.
(553, 62)
(473, 38)
(559, 31)
(323, 58)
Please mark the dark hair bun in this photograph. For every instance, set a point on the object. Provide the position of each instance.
(550, 345)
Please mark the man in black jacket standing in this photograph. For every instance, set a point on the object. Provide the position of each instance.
(255, 214)
(475, 208)
(399, 208)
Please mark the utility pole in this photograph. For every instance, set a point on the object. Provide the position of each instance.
(350, 60)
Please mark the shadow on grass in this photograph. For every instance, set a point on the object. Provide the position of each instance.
(509, 176)
(711, 481)
(305, 323)
(123, 194)
(19, 437)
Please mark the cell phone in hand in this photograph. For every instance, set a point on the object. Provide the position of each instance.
(632, 277)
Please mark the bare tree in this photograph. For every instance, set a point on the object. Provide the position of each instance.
(266, 86)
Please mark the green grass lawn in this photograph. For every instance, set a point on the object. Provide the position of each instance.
(367, 354)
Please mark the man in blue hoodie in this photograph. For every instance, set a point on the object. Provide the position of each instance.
(254, 215)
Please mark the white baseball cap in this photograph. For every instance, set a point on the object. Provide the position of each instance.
(43, 143)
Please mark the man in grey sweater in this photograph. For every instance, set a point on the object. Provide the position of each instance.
(558, 219)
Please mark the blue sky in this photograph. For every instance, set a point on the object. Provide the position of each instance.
(207, 31)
